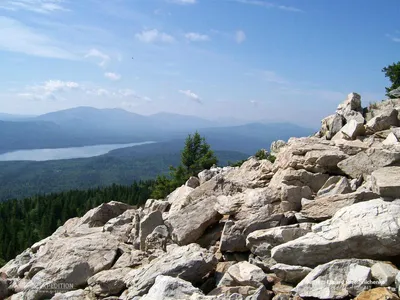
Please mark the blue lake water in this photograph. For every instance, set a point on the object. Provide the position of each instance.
(64, 153)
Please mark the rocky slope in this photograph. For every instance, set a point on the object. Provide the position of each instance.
(321, 222)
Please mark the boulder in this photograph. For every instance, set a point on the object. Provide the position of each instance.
(352, 103)
(244, 274)
(122, 225)
(385, 273)
(397, 282)
(353, 129)
(261, 242)
(153, 205)
(292, 185)
(386, 182)
(253, 173)
(130, 259)
(190, 263)
(368, 229)
(100, 215)
(170, 288)
(364, 163)
(325, 207)
(70, 260)
(338, 279)
(276, 146)
(251, 210)
(383, 121)
(350, 147)
(157, 240)
(11, 268)
(74, 295)
(178, 198)
(108, 282)
(379, 293)
(290, 274)
(311, 154)
(208, 174)
(193, 182)
(335, 185)
(188, 224)
(147, 225)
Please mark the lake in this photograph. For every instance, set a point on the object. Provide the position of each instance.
(64, 153)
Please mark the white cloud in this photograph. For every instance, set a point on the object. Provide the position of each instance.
(112, 76)
(104, 58)
(240, 36)
(49, 89)
(196, 37)
(53, 89)
(183, 1)
(153, 35)
(16, 37)
(268, 5)
(38, 6)
(191, 95)
(394, 38)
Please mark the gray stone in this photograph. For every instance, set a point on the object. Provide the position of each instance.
(170, 288)
(364, 163)
(157, 239)
(335, 185)
(70, 260)
(290, 274)
(108, 282)
(122, 225)
(130, 259)
(353, 129)
(74, 295)
(243, 274)
(100, 215)
(325, 207)
(147, 225)
(188, 224)
(178, 198)
(368, 229)
(386, 182)
(311, 154)
(385, 273)
(153, 205)
(261, 242)
(383, 121)
(190, 263)
(337, 279)
(193, 182)
(352, 103)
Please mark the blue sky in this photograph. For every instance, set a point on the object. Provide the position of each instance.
(278, 60)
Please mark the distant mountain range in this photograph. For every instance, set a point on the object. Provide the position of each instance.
(83, 126)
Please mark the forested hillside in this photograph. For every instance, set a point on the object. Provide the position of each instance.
(21, 179)
(24, 222)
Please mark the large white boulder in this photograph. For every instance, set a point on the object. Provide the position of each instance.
(368, 229)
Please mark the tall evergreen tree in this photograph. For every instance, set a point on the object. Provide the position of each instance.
(196, 156)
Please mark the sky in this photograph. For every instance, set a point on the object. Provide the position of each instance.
(279, 60)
